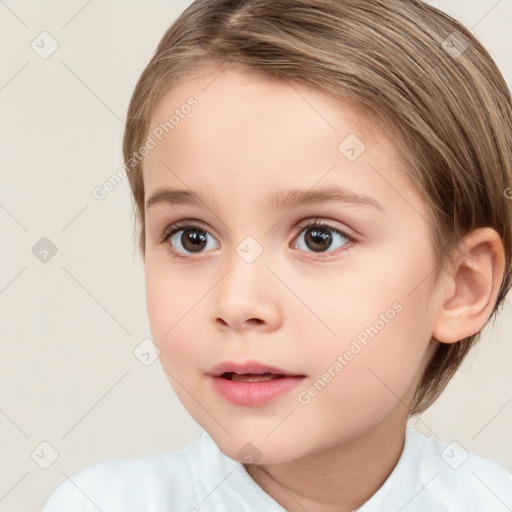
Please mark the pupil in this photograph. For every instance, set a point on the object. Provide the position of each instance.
(192, 239)
(318, 239)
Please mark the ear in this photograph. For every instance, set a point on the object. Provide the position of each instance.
(471, 286)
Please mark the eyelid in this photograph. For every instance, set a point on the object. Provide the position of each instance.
(318, 221)
(174, 228)
(183, 224)
(308, 222)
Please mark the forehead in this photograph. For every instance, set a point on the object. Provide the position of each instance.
(232, 97)
(249, 135)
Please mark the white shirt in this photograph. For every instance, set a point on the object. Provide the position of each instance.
(430, 476)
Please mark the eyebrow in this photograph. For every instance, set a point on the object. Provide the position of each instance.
(281, 200)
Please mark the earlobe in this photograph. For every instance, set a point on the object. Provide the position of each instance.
(471, 286)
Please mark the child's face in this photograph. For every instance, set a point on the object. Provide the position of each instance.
(300, 303)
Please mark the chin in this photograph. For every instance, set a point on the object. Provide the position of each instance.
(255, 449)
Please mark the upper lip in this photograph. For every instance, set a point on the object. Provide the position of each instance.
(247, 367)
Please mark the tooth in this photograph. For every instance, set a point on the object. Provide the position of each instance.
(239, 378)
(252, 377)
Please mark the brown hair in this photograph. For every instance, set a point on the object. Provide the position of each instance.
(422, 73)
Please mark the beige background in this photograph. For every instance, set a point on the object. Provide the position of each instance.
(70, 325)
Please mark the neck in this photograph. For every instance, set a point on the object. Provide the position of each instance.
(339, 479)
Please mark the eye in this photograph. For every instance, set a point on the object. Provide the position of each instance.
(193, 238)
(319, 236)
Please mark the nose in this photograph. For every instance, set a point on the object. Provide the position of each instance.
(246, 298)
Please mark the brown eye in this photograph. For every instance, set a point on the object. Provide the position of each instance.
(193, 240)
(320, 237)
(187, 239)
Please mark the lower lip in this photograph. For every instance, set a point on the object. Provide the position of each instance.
(254, 393)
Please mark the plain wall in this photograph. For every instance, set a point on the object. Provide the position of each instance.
(70, 324)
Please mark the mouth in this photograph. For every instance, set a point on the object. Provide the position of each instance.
(252, 377)
(252, 383)
(250, 370)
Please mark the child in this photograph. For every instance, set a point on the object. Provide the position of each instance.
(260, 131)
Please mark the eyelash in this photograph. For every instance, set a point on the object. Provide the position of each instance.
(185, 225)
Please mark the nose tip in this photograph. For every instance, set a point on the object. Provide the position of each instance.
(245, 296)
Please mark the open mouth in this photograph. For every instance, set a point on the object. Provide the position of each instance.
(251, 377)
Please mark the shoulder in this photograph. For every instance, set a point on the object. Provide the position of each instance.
(198, 478)
(435, 475)
(131, 484)
(452, 460)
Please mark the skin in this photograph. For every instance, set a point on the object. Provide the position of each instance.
(249, 137)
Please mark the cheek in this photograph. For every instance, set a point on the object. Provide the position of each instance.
(172, 304)
(362, 382)
(352, 305)
(375, 285)
(382, 321)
